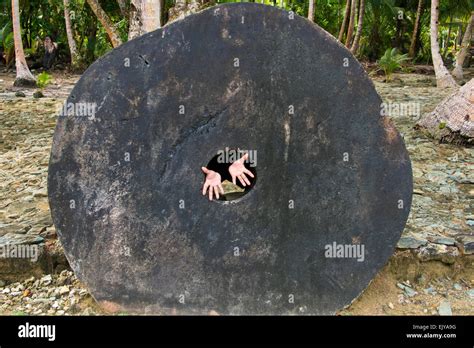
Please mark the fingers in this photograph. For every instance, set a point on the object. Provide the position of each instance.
(244, 158)
(242, 181)
(216, 191)
(249, 173)
(233, 179)
(245, 179)
(204, 188)
(211, 191)
(221, 188)
(205, 170)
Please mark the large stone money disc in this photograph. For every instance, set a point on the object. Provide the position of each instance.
(333, 187)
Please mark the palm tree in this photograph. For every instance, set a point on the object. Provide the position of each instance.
(355, 45)
(466, 43)
(145, 16)
(70, 37)
(106, 22)
(311, 10)
(24, 77)
(123, 8)
(350, 30)
(443, 77)
(416, 30)
(344, 21)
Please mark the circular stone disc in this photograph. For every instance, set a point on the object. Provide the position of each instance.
(334, 179)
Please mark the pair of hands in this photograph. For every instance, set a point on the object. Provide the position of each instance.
(237, 170)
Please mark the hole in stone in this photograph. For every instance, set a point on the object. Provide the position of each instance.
(147, 63)
(221, 163)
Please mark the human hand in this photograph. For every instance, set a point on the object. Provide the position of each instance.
(238, 170)
(212, 182)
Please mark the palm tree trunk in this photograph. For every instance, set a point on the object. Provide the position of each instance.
(466, 43)
(106, 22)
(443, 77)
(24, 78)
(145, 16)
(123, 7)
(350, 30)
(446, 43)
(311, 10)
(455, 112)
(91, 33)
(355, 45)
(70, 37)
(344, 21)
(416, 30)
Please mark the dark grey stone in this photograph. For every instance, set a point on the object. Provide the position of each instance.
(121, 223)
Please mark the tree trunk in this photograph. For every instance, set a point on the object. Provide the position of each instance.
(145, 16)
(123, 8)
(344, 21)
(183, 8)
(355, 45)
(416, 30)
(466, 44)
(443, 77)
(106, 22)
(311, 10)
(452, 120)
(70, 37)
(24, 78)
(350, 30)
(91, 33)
(446, 43)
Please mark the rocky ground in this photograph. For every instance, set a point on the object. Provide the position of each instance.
(432, 272)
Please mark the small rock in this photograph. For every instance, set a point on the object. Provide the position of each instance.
(46, 280)
(410, 243)
(390, 304)
(438, 252)
(457, 286)
(20, 94)
(465, 243)
(442, 240)
(429, 291)
(63, 290)
(470, 293)
(38, 94)
(2, 283)
(40, 193)
(445, 308)
(408, 291)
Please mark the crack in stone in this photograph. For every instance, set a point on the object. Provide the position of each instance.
(204, 126)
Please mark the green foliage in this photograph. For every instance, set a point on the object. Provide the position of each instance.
(6, 37)
(387, 23)
(43, 79)
(391, 61)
